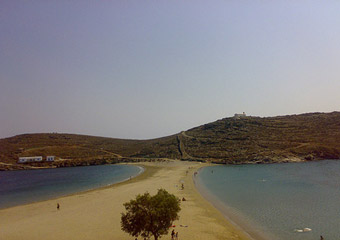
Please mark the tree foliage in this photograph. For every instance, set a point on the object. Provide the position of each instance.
(150, 215)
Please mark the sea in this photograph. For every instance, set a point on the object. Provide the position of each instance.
(27, 186)
(288, 201)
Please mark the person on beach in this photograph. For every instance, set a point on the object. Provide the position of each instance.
(176, 235)
(58, 206)
(172, 234)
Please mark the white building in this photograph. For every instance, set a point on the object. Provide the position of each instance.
(240, 115)
(30, 159)
(50, 158)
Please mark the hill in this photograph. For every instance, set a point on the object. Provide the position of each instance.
(273, 139)
(304, 137)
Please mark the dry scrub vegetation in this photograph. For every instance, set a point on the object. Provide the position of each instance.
(311, 136)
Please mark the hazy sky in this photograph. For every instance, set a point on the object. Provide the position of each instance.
(145, 69)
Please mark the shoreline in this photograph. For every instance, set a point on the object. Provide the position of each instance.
(95, 214)
(211, 214)
(231, 215)
(142, 170)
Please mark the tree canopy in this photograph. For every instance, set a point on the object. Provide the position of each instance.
(150, 215)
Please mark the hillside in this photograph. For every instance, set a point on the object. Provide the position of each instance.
(75, 150)
(311, 136)
(273, 139)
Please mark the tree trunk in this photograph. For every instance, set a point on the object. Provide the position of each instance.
(155, 236)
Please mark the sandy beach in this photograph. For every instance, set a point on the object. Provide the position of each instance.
(96, 214)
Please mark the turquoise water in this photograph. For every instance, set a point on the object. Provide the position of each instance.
(21, 187)
(278, 199)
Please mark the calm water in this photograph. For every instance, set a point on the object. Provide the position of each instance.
(278, 199)
(21, 187)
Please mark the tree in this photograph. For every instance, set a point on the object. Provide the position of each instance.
(150, 215)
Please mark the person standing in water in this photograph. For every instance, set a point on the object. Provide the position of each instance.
(58, 206)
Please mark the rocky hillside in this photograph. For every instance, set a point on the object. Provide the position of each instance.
(311, 136)
(274, 139)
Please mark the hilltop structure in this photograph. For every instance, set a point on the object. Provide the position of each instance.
(239, 115)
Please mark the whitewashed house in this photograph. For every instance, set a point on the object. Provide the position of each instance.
(30, 159)
(240, 115)
(50, 159)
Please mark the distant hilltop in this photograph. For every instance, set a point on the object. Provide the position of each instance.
(234, 140)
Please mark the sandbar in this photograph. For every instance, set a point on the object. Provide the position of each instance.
(96, 214)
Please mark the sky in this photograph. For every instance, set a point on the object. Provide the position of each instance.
(147, 69)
